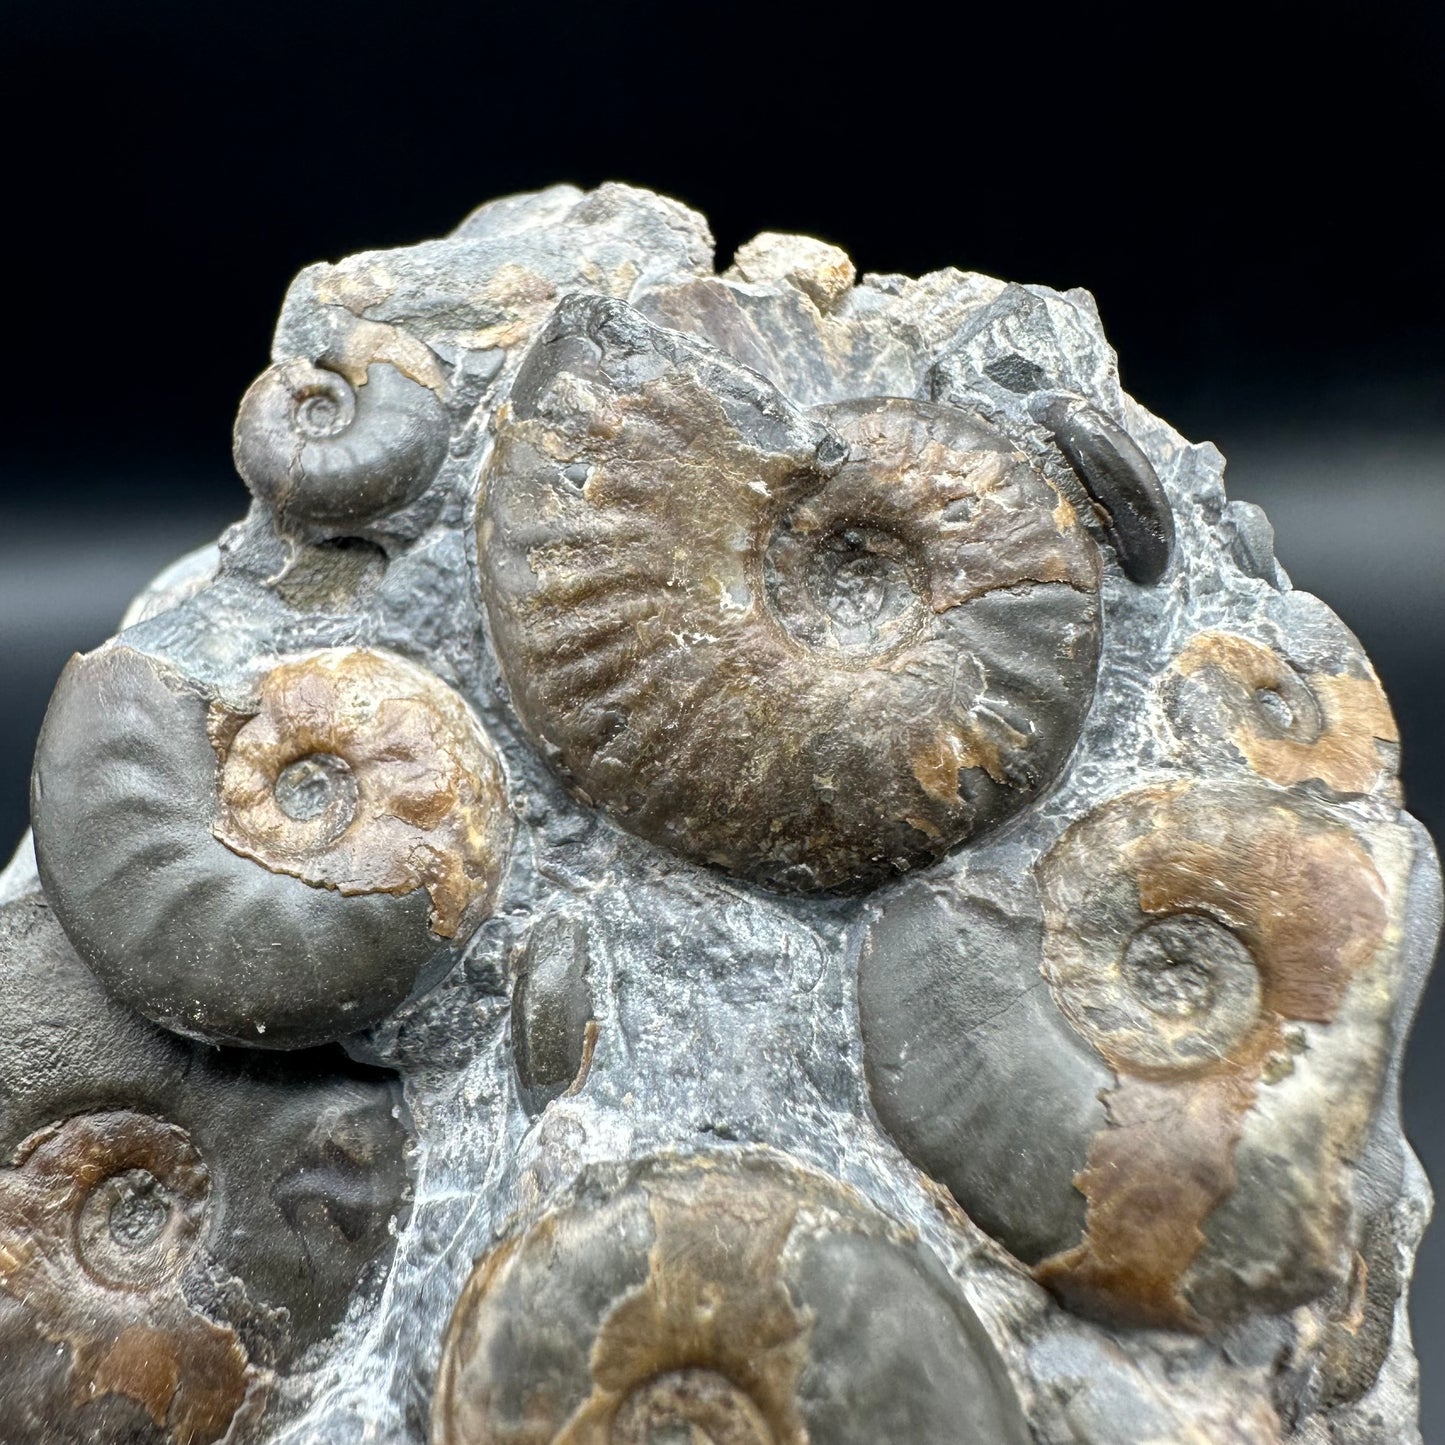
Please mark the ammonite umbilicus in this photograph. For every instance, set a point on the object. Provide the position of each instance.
(162, 1258)
(354, 433)
(734, 1298)
(275, 871)
(1211, 1030)
(1235, 694)
(718, 615)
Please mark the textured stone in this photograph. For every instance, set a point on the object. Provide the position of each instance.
(983, 844)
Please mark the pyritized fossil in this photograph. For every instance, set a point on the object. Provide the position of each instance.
(892, 920)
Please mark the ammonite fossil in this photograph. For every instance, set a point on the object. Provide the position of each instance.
(1289, 727)
(1221, 966)
(716, 613)
(734, 1298)
(346, 436)
(161, 1261)
(276, 871)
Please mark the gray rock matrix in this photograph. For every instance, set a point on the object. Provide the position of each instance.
(1163, 922)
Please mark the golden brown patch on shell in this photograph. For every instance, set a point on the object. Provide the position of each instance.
(117, 1305)
(1306, 900)
(425, 805)
(713, 1300)
(1337, 722)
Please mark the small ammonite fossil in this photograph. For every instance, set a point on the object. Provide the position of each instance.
(1289, 726)
(356, 433)
(1211, 1031)
(717, 615)
(275, 872)
(734, 1298)
(99, 1218)
(162, 1258)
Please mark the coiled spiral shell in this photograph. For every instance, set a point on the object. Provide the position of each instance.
(295, 1164)
(739, 1300)
(1168, 1130)
(358, 435)
(99, 1217)
(811, 649)
(276, 873)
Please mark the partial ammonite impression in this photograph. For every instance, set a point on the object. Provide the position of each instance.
(1233, 693)
(162, 1258)
(814, 649)
(1211, 1032)
(99, 1216)
(734, 1298)
(277, 871)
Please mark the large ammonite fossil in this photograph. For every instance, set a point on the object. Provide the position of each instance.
(736, 1299)
(814, 649)
(273, 872)
(161, 1260)
(1210, 1032)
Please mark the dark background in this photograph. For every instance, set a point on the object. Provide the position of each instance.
(1251, 196)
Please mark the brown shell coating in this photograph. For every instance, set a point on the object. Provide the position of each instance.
(705, 1297)
(811, 650)
(418, 799)
(1290, 727)
(113, 1297)
(1196, 1029)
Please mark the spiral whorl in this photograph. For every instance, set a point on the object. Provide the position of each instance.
(717, 616)
(736, 1299)
(276, 874)
(98, 1219)
(1221, 968)
(360, 433)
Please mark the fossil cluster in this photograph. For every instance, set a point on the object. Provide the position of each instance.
(751, 856)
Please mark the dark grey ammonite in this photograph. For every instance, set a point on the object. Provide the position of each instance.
(1196, 985)
(177, 1222)
(274, 871)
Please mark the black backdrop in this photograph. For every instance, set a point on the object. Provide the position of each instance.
(1250, 195)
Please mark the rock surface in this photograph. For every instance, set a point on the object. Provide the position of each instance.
(1069, 949)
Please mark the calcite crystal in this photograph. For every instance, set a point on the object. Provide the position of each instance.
(752, 856)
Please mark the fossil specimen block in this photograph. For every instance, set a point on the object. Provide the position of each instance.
(753, 856)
